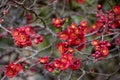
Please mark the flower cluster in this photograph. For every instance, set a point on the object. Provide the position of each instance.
(64, 62)
(72, 36)
(108, 20)
(105, 18)
(24, 34)
(97, 26)
(13, 69)
(101, 49)
(116, 10)
(57, 22)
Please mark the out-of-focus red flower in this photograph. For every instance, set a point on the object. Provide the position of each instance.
(99, 6)
(62, 48)
(79, 1)
(13, 69)
(15, 33)
(83, 26)
(67, 56)
(57, 63)
(29, 30)
(38, 39)
(104, 51)
(75, 64)
(49, 67)
(61, 64)
(94, 42)
(63, 35)
(96, 27)
(22, 38)
(43, 60)
(116, 9)
(57, 22)
(71, 50)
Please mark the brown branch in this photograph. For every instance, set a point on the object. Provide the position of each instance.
(27, 9)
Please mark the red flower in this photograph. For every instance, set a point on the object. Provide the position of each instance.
(99, 7)
(29, 30)
(79, 1)
(38, 39)
(64, 66)
(15, 33)
(94, 42)
(57, 22)
(104, 51)
(96, 27)
(71, 50)
(97, 48)
(116, 9)
(43, 60)
(62, 48)
(63, 35)
(22, 40)
(57, 63)
(73, 26)
(13, 69)
(75, 64)
(61, 64)
(49, 67)
(66, 57)
(83, 26)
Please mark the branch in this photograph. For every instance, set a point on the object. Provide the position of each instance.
(27, 9)
(83, 73)
(5, 29)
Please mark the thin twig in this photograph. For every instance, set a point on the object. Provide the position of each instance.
(5, 29)
(70, 75)
(83, 73)
(3, 77)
